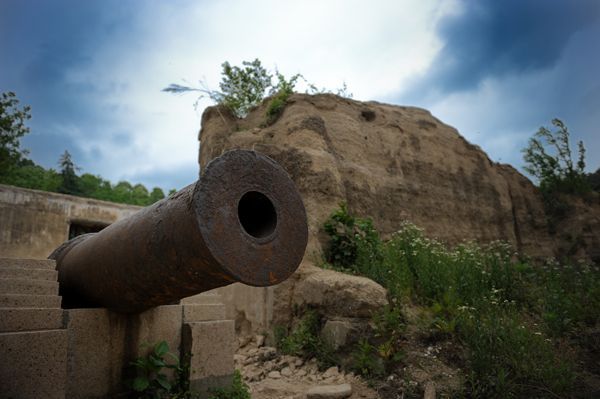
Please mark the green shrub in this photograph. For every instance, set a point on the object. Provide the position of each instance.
(548, 158)
(349, 238)
(366, 362)
(304, 340)
(151, 380)
(506, 312)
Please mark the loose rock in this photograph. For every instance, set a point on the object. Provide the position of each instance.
(274, 374)
(329, 392)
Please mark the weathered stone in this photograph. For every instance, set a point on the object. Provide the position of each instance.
(329, 392)
(286, 372)
(24, 263)
(212, 344)
(301, 372)
(24, 319)
(274, 374)
(33, 223)
(34, 364)
(23, 286)
(203, 312)
(338, 294)
(97, 353)
(29, 301)
(260, 340)
(337, 333)
(31, 274)
(267, 353)
(429, 390)
(331, 372)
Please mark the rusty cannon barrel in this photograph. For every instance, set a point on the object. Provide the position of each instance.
(243, 221)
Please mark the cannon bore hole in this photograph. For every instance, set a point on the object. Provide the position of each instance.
(257, 214)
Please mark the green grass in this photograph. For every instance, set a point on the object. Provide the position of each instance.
(510, 316)
(304, 340)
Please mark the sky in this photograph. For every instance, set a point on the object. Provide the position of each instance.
(93, 70)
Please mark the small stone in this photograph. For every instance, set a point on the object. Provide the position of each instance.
(329, 392)
(301, 372)
(298, 362)
(274, 374)
(429, 390)
(286, 372)
(267, 353)
(331, 372)
(260, 340)
(243, 341)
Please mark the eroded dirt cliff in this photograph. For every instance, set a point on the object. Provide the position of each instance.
(391, 163)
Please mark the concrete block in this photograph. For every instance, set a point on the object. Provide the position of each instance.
(28, 263)
(26, 319)
(212, 346)
(28, 287)
(29, 301)
(33, 364)
(193, 313)
(162, 323)
(32, 274)
(206, 298)
(97, 353)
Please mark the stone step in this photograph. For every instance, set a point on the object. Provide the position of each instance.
(29, 301)
(34, 364)
(24, 286)
(28, 319)
(206, 298)
(203, 312)
(28, 263)
(32, 274)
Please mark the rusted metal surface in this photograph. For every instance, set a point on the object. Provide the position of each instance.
(243, 221)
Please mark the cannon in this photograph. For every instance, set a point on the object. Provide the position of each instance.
(242, 221)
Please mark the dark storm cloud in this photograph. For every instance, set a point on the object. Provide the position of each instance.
(42, 41)
(492, 38)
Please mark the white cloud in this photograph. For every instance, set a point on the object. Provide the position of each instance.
(374, 47)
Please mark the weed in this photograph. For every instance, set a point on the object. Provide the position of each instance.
(366, 362)
(304, 340)
(506, 313)
(151, 381)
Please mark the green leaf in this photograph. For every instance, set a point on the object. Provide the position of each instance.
(140, 384)
(163, 382)
(161, 348)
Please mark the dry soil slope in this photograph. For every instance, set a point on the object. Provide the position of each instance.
(391, 163)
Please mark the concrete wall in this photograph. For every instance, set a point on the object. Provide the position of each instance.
(33, 223)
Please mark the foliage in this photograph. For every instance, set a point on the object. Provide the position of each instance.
(243, 88)
(509, 315)
(12, 128)
(304, 340)
(365, 360)
(548, 158)
(70, 182)
(238, 389)
(594, 180)
(348, 235)
(151, 380)
(281, 92)
(378, 355)
(17, 170)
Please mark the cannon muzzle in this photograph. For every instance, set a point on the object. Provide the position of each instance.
(243, 221)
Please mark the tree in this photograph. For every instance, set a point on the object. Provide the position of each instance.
(548, 158)
(70, 180)
(241, 88)
(12, 128)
